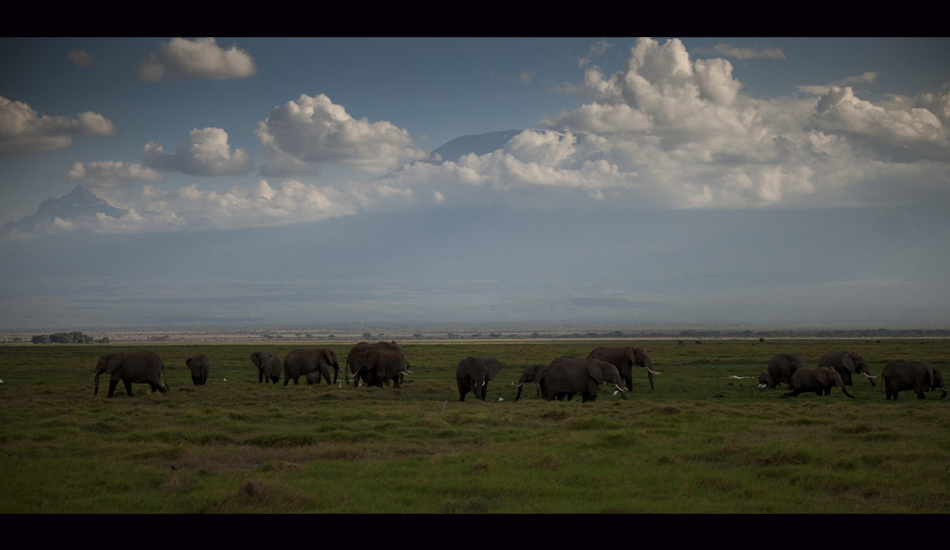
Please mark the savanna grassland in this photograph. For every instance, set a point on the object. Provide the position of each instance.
(702, 442)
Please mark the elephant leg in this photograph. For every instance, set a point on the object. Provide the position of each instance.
(195, 380)
(828, 390)
(538, 387)
(155, 387)
(112, 386)
(463, 389)
(792, 393)
(128, 387)
(260, 376)
(276, 379)
(920, 395)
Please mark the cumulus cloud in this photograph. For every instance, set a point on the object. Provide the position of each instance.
(302, 134)
(867, 77)
(111, 174)
(201, 58)
(904, 135)
(24, 131)
(728, 50)
(209, 154)
(80, 57)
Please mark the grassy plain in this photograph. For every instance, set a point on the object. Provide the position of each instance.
(702, 442)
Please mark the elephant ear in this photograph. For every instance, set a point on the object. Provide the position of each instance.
(596, 371)
(632, 355)
(188, 362)
(493, 367)
(848, 362)
(329, 355)
(256, 359)
(113, 363)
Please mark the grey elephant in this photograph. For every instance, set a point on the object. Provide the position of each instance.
(199, 366)
(356, 362)
(780, 369)
(302, 362)
(269, 366)
(379, 366)
(917, 377)
(136, 367)
(531, 373)
(625, 359)
(846, 363)
(569, 375)
(815, 379)
(474, 373)
(313, 378)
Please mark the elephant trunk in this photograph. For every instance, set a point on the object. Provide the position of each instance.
(518, 396)
(96, 391)
(623, 392)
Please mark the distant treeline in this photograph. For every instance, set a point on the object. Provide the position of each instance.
(68, 338)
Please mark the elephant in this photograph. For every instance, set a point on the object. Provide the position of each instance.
(269, 366)
(815, 379)
(474, 373)
(846, 363)
(199, 366)
(138, 367)
(918, 377)
(380, 365)
(531, 373)
(302, 362)
(313, 378)
(568, 375)
(355, 362)
(780, 369)
(624, 359)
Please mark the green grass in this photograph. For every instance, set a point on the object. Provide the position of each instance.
(700, 443)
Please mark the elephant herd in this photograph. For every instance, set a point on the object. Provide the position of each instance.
(562, 378)
(836, 368)
(383, 362)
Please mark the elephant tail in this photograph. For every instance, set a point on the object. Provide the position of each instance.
(165, 376)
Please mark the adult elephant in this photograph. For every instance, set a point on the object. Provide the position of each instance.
(302, 362)
(379, 366)
(137, 367)
(356, 361)
(474, 373)
(917, 377)
(625, 359)
(569, 375)
(269, 366)
(815, 379)
(846, 363)
(780, 369)
(531, 373)
(199, 366)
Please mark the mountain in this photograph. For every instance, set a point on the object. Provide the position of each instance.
(78, 204)
(479, 144)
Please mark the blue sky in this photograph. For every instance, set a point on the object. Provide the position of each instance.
(206, 135)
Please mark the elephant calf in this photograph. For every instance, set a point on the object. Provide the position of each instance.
(815, 379)
(199, 366)
(138, 367)
(531, 373)
(917, 377)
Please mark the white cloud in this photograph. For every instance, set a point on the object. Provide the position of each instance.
(208, 155)
(24, 131)
(80, 57)
(525, 78)
(201, 58)
(259, 206)
(758, 52)
(904, 134)
(111, 174)
(301, 134)
(867, 77)
(597, 50)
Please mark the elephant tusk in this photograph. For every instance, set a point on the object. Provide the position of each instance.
(620, 389)
(521, 384)
(651, 371)
(762, 386)
(868, 375)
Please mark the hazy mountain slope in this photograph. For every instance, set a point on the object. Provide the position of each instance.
(78, 204)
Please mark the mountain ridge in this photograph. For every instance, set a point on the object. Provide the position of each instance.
(78, 203)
